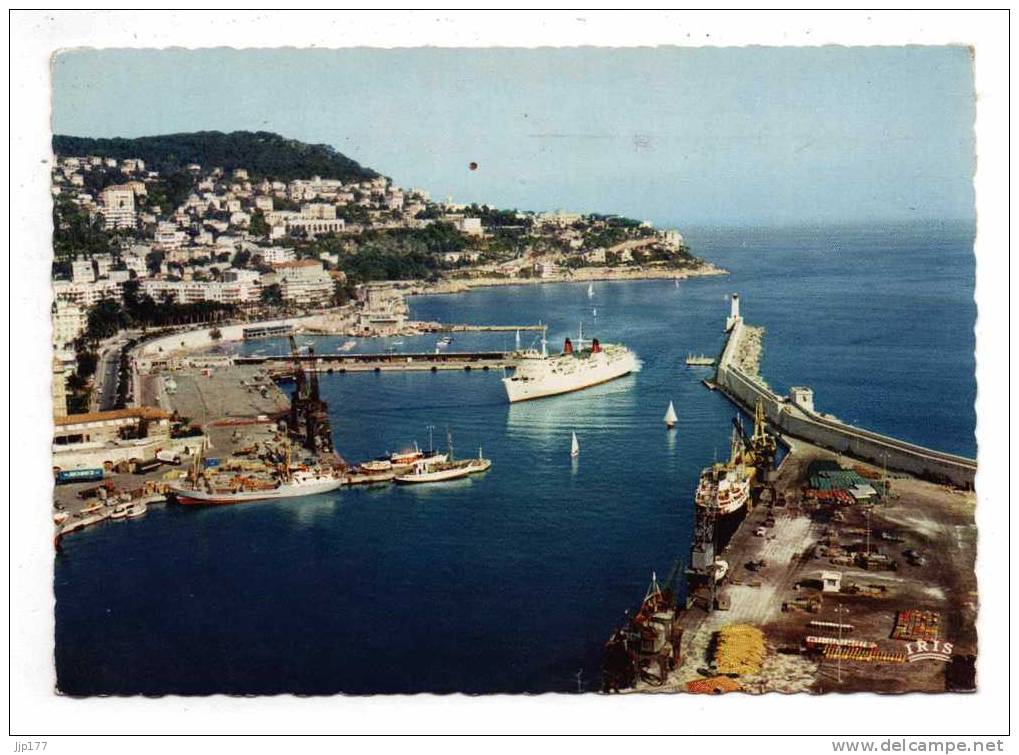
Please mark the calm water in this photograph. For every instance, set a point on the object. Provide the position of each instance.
(511, 581)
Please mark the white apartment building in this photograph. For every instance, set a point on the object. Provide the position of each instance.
(274, 255)
(82, 271)
(303, 281)
(69, 322)
(315, 227)
(318, 211)
(118, 207)
(169, 236)
(190, 292)
(394, 201)
(86, 294)
(103, 264)
(234, 275)
(137, 265)
(263, 203)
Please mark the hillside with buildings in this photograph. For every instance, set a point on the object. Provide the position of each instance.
(260, 153)
(205, 227)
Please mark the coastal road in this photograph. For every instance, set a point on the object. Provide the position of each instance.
(105, 394)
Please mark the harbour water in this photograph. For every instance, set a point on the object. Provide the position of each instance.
(512, 580)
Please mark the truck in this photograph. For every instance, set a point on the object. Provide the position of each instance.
(66, 476)
(141, 467)
(168, 457)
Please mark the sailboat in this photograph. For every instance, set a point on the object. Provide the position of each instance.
(670, 417)
(590, 290)
(594, 311)
(574, 447)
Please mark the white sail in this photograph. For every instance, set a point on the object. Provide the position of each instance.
(590, 290)
(518, 341)
(575, 446)
(670, 416)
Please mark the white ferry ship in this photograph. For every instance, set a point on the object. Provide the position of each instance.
(538, 375)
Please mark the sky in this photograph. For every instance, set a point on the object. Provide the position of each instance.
(677, 136)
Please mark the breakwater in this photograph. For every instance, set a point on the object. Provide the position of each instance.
(795, 415)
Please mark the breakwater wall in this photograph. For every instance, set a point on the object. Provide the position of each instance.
(801, 421)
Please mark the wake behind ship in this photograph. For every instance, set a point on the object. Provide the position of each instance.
(538, 375)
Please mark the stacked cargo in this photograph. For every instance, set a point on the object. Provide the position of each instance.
(740, 650)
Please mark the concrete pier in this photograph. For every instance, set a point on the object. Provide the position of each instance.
(389, 362)
(795, 416)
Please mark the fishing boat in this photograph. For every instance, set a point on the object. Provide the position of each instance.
(444, 342)
(699, 360)
(537, 374)
(136, 510)
(670, 417)
(415, 454)
(574, 447)
(443, 471)
(347, 345)
(120, 512)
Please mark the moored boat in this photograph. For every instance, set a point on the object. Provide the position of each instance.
(425, 471)
(204, 488)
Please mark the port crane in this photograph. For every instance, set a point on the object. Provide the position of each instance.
(309, 414)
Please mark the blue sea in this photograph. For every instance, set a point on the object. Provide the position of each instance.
(511, 581)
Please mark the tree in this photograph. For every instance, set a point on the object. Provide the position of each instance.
(258, 226)
(272, 295)
(154, 261)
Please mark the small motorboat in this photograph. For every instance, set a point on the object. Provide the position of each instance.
(574, 447)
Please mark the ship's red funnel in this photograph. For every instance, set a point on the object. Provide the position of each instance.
(595, 346)
(568, 347)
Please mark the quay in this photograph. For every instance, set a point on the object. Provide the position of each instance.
(834, 567)
(390, 361)
(795, 415)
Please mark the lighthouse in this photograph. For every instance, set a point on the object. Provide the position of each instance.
(734, 315)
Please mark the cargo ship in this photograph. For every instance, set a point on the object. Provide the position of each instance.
(724, 488)
(204, 488)
(538, 375)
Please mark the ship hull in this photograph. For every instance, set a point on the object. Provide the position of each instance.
(527, 390)
(205, 498)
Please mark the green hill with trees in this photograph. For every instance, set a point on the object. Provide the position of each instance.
(261, 153)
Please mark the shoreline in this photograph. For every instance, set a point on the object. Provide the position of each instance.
(581, 275)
